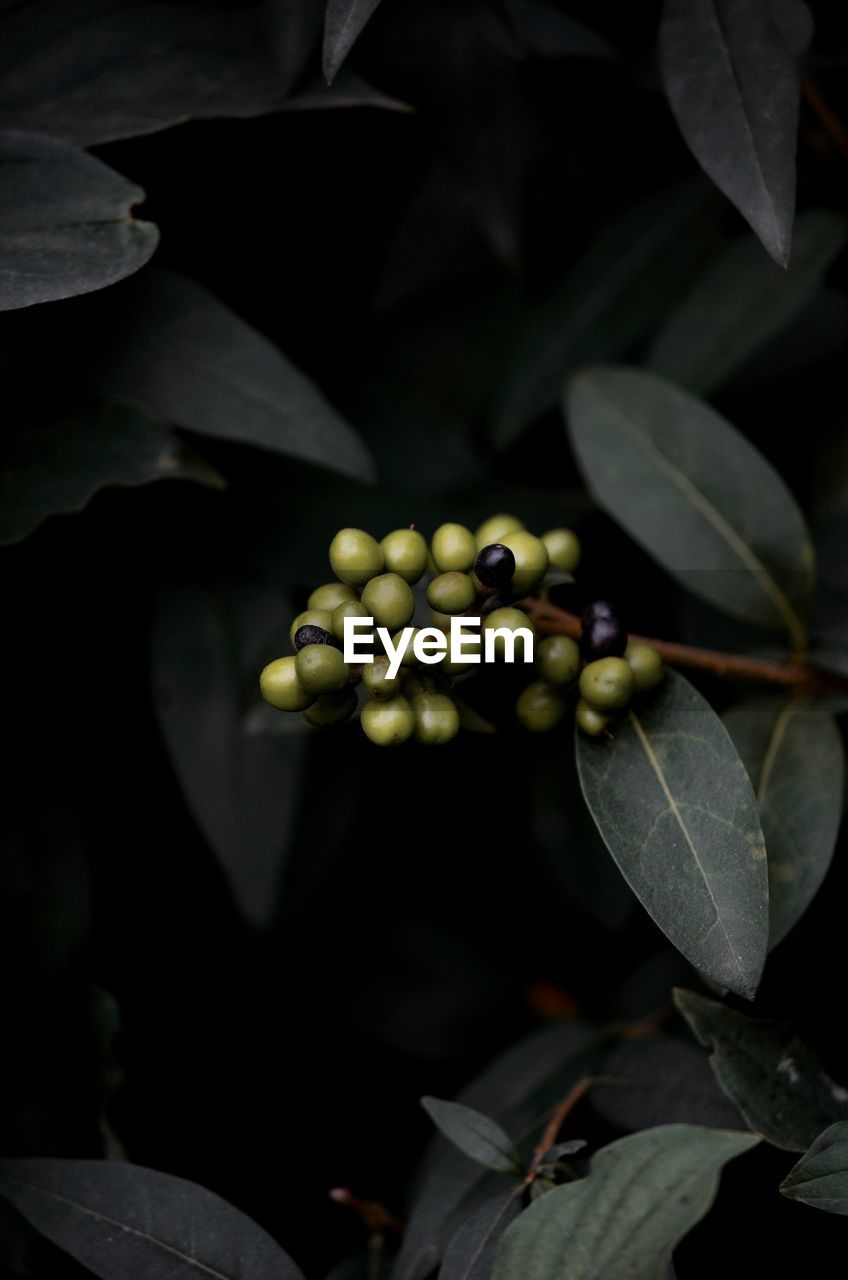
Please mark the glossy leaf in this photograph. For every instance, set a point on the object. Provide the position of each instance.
(778, 1084)
(694, 493)
(66, 224)
(479, 1137)
(741, 301)
(171, 346)
(733, 87)
(643, 1083)
(675, 807)
(124, 1222)
(470, 1254)
(58, 466)
(794, 756)
(642, 1195)
(343, 25)
(820, 1178)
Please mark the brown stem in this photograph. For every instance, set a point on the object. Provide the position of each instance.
(797, 676)
(373, 1213)
(829, 122)
(557, 1120)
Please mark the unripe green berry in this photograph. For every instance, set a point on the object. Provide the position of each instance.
(558, 659)
(321, 669)
(355, 557)
(331, 595)
(496, 528)
(347, 609)
(592, 722)
(405, 553)
(426, 680)
(331, 708)
(453, 547)
(311, 618)
(646, 664)
(539, 707)
(509, 619)
(563, 548)
(408, 658)
(376, 680)
(436, 718)
(451, 593)
(389, 601)
(281, 686)
(607, 684)
(440, 620)
(531, 560)
(387, 723)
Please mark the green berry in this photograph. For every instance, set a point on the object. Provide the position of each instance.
(646, 664)
(347, 609)
(408, 658)
(355, 557)
(405, 553)
(607, 684)
(453, 547)
(331, 708)
(311, 618)
(436, 718)
(376, 680)
(321, 669)
(426, 680)
(387, 723)
(441, 620)
(592, 722)
(330, 596)
(563, 548)
(496, 528)
(508, 619)
(451, 593)
(531, 560)
(281, 687)
(540, 707)
(389, 601)
(558, 659)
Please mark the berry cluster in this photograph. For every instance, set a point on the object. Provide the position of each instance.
(480, 574)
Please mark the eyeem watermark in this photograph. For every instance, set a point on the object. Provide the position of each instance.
(464, 643)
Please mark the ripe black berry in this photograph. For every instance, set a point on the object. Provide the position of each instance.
(603, 635)
(495, 565)
(311, 635)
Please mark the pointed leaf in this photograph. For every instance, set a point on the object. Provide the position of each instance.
(343, 25)
(642, 1195)
(777, 1083)
(470, 1254)
(66, 224)
(794, 756)
(673, 802)
(475, 1134)
(124, 1222)
(694, 493)
(733, 87)
(820, 1178)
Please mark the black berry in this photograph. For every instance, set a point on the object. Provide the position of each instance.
(311, 635)
(603, 635)
(495, 565)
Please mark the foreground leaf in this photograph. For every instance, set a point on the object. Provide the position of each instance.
(343, 25)
(642, 1195)
(820, 1178)
(479, 1137)
(66, 225)
(58, 466)
(741, 301)
(124, 1222)
(794, 756)
(733, 87)
(470, 1254)
(675, 807)
(694, 493)
(777, 1083)
(169, 345)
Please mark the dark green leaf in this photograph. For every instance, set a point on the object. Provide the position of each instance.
(172, 347)
(673, 802)
(347, 90)
(342, 27)
(777, 1083)
(57, 466)
(66, 225)
(642, 1083)
(793, 753)
(473, 1133)
(796, 23)
(742, 301)
(695, 494)
(733, 87)
(642, 1196)
(820, 1178)
(124, 1222)
(470, 1255)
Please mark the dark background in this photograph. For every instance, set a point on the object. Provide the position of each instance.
(429, 899)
